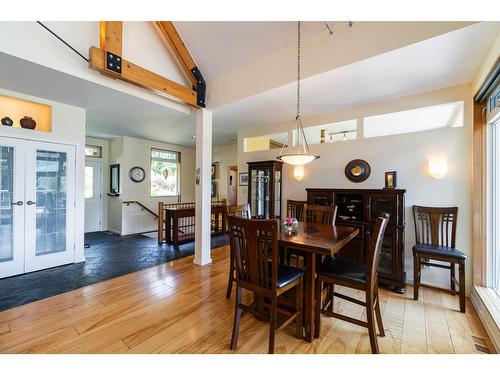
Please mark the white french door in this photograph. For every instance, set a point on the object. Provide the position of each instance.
(11, 207)
(42, 198)
(93, 195)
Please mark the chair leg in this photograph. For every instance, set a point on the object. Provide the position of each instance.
(317, 308)
(379, 316)
(416, 276)
(237, 318)
(452, 276)
(298, 306)
(272, 325)
(330, 296)
(461, 271)
(370, 315)
(231, 275)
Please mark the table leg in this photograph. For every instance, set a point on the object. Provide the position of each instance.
(310, 279)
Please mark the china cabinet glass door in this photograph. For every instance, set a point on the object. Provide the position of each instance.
(260, 180)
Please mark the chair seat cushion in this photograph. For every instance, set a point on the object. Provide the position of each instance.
(438, 250)
(343, 269)
(287, 275)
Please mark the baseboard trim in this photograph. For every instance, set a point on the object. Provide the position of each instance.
(487, 314)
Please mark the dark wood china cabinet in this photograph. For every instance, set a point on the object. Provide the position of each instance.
(264, 189)
(360, 208)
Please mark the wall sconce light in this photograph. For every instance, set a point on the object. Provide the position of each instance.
(298, 172)
(438, 168)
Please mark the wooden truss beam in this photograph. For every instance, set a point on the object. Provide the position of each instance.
(108, 61)
(142, 77)
(173, 41)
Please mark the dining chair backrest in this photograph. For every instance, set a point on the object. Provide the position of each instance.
(295, 209)
(435, 225)
(241, 210)
(320, 214)
(375, 250)
(255, 246)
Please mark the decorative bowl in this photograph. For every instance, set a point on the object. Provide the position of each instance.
(7, 121)
(27, 123)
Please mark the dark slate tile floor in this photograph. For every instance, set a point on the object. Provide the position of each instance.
(107, 257)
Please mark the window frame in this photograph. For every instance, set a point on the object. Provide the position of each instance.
(88, 145)
(151, 159)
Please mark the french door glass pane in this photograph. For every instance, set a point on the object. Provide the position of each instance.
(89, 182)
(51, 191)
(6, 208)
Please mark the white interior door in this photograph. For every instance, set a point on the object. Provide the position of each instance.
(11, 207)
(93, 195)
(49, 205)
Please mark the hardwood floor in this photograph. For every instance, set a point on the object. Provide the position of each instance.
(179, 307)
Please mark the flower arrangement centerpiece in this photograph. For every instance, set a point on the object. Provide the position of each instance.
(290, 224)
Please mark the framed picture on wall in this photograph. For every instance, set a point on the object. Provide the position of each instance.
(391, 180)
(243, 179)
(214, 189)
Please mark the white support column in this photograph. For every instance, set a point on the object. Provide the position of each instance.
(202, 250)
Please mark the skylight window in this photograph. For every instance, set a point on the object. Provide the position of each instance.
(449, 115)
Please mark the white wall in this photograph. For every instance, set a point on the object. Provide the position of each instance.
(68, 127)
(104, 144)
(406, 153)
(226, 156)
(130, 152)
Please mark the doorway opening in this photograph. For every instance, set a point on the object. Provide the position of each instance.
(232, 186)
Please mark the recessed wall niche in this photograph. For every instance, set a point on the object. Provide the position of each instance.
(16, 109)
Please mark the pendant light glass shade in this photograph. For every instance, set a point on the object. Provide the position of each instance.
(298, 153)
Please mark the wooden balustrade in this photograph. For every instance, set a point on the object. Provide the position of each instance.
(179, 221)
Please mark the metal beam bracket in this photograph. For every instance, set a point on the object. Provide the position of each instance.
(113, 63)
(201, 87)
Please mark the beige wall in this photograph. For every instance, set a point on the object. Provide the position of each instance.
(130, 152)
(406, 153)
(226, 156)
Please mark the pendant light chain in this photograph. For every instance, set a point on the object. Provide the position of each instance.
(298, 70)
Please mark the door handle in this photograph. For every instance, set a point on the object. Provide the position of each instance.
(18, 203)
(29, 203)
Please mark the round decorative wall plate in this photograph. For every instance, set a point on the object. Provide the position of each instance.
(357, 170)
(137, 174)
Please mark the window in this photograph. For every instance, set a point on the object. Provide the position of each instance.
(89, 182)
(264, 142)
(331, 133)
(93, 151)
(165, 171)
(493, 252)
(415, 120)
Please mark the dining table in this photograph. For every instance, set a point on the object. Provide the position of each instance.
(315, 240)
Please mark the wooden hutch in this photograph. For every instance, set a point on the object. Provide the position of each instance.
(360, 208)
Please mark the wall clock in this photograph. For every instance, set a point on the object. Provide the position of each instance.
(137, 174)
(357, 170)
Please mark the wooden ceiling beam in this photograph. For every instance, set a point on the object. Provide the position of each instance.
(111, 36)
(142, 77)
(173, 41)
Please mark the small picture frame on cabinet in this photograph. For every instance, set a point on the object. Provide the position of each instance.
(391, 180)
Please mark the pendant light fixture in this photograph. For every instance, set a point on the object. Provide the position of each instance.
(298, 154)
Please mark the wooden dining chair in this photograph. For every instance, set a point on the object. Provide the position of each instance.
(337, 271)
(295, 209)
(241, 210)
(255, 247)
(435, 230)
(312, 214)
